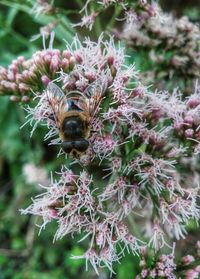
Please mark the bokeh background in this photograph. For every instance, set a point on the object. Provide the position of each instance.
(25, 161)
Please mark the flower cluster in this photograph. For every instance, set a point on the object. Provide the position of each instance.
(74, 203)
(140, 149)
(131, 10)
(23, 77)
(172, 45)
(166, 266)
(43, 7)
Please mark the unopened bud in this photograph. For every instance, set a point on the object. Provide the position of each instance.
(189, 133)
(25, 99)
(15, 98)
(45, 80)
(72, 62)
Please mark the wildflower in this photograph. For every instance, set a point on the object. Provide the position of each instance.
(91, 256)
(42, 7)
(133, 11)
(163, 31)
(87, 21)
(157, 240)
(137, 139)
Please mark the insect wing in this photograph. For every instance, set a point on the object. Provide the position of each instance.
(94, 94)
(55, 91)
(57, 102)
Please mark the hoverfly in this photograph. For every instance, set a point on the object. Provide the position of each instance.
(73, 113)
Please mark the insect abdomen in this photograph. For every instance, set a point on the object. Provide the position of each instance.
(73, 127)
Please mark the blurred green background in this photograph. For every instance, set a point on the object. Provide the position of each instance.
(24, 255)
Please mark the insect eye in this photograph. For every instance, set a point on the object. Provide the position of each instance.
(51, 117)
(67, 146)
(81, 145)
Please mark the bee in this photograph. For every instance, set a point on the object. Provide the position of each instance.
(73, 113)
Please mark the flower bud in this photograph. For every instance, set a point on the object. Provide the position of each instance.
(189, 133)
(188, 259)
(45, 80)
(14, 98)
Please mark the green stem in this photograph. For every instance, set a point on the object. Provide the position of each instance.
(67, 12)
(98, 27)
(116, 13)
(21, 7)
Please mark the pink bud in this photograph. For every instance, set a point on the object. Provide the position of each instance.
(65, 64)
(3, 71)
(197, 136)
(187, 259)
(110, 60)
(45, 80)
(29, 63)
(178, 125)
(54, 64)
(151, 11)
(11, 76)
(19, 77)
(67, 54)
(25, 74)
(90, 76)
(197, 268)
(47, 58)
(6, 84)
(191, 274)
(13, 86)
(25, 99)
(20, 59)
(13, 68)
(189, 133)
(32, 75)
(52, 213)
(72, 62)
(23, 87)
(33, 68)
(56, 52)
(125, 78)
(78, 57)
(14, 98)
(189, 119)
(193, 102)
(14, 62)
(138, 91)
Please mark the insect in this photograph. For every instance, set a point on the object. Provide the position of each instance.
(72, 113)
